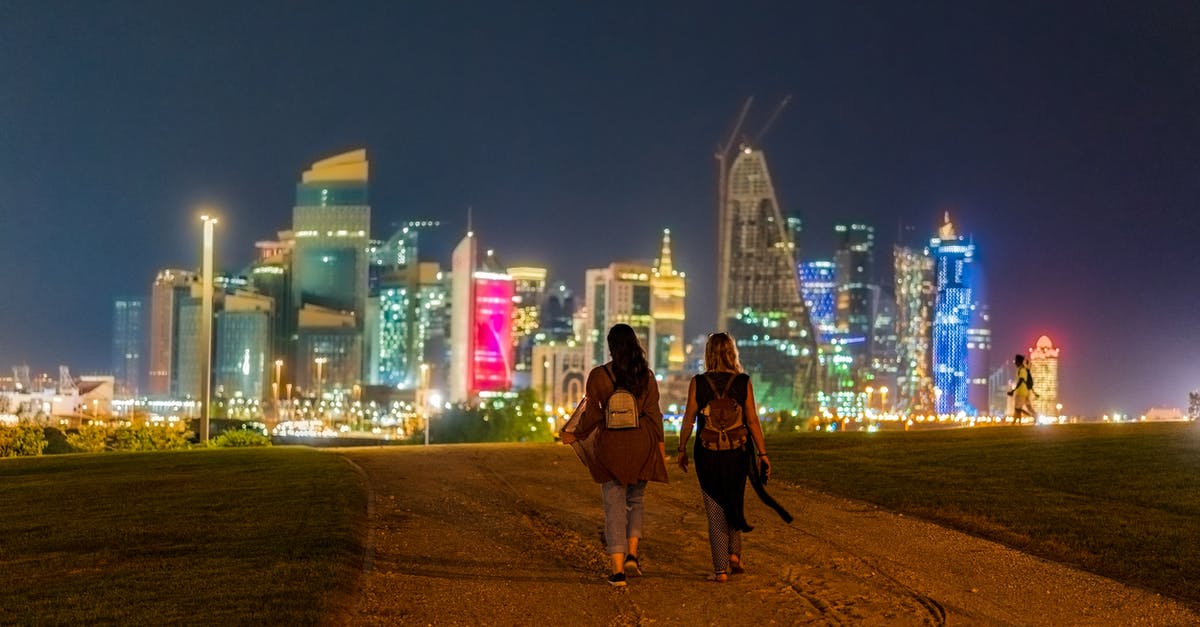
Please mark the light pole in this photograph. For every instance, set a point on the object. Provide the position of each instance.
(206, 320)
(356, 393)
(423, 388)
(320, 362)
(883, 399)
(275, 388)
(288, 387)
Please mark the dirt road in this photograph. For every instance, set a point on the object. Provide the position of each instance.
(509, 535)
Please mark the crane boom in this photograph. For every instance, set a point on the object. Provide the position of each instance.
(771, 120)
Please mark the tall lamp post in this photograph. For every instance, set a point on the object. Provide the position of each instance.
(206, 320)
(275, 388)
(288, 387)
(320, 362)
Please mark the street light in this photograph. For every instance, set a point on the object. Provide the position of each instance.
(206, 320)
(320, 362)
(275, 388)
(288, 387)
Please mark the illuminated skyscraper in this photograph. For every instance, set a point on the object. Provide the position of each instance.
(270, 275)
(618, 294)
(954, 308)
(558, 313)
(818, 283)
(758, 290)
(1043, 367)
(884, 362)
(171, 288)
(405, 328)
(914, 286)
(529, 284)
(979, 346)
(668, 291)
(127, 338)
(855, 298)
(330, 223)
(481, 347)
(243, 346)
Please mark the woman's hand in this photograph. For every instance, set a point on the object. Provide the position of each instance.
(567, 437)
(764, 466)
(682, 460)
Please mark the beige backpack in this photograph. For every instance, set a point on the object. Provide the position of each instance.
(621, 411)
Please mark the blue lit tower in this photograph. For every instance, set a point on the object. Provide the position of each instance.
(127, 338)
(330, 223)
(954, 308)
(818, 284)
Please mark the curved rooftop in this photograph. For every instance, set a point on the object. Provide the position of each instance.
(347, 166)
(1044, 342)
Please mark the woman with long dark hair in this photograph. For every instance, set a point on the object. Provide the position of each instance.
(729, 449)
(622, 415)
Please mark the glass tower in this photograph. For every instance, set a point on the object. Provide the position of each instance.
(758, 289)
(243, 347)
(171, 288)
(330, 224)
(127, 344)
(855, 299)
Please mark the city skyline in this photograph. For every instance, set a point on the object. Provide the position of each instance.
(1063, 162)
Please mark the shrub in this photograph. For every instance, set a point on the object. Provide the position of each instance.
(240, 438)
(98, 438)
(22, 440)
(89, 439)
(56, 442)
(150, 438)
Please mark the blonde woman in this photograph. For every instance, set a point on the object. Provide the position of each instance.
(729, 448)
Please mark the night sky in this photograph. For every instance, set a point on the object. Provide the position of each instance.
(1064, 138)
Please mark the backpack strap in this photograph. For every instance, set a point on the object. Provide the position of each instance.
(611, 377)
(725, 391)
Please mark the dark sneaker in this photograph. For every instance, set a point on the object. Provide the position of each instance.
(617, 580)
(631, 565)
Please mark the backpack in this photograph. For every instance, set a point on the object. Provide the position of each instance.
(621, 411)
(724, 425)
(1029, 378)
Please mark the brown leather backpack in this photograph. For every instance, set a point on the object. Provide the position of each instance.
(724, 424)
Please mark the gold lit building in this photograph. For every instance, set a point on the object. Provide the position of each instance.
(1043, 366)
(668, 290)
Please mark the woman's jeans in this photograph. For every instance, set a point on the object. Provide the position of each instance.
(623, 508)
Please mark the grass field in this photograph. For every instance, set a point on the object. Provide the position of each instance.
(1119, 500)
(233, 536)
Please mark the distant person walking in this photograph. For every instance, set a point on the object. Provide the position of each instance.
(1022, 391)
(729, 448)
(622, 425)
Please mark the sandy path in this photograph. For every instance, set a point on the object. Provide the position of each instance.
(509, 535)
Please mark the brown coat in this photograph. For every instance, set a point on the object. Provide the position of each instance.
(629, 455)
